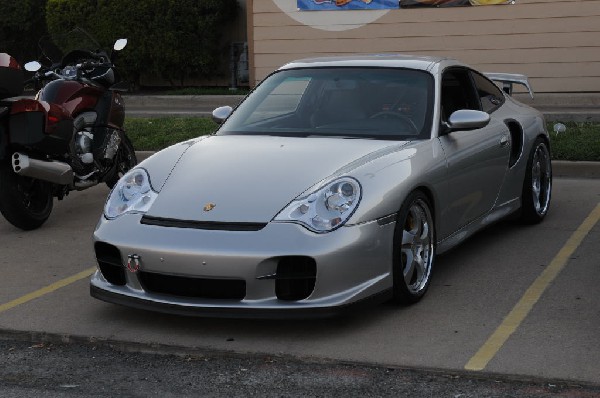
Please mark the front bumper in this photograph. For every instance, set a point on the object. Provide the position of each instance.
(353, 267)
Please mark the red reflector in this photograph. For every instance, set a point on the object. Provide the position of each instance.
(27, 105)
(56, 113)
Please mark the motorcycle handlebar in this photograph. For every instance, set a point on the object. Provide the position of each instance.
(86, 65)
(83, 67)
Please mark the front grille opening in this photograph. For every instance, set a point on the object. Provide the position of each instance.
(233, 289)
(109, 262)
(296, 276)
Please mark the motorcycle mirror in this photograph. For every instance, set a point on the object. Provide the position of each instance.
(120, 44)
(33, 66)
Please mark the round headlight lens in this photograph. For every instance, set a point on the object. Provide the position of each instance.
(326, 209)
(340, 197)
(132, 194)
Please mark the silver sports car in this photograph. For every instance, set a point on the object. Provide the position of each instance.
(336, 182)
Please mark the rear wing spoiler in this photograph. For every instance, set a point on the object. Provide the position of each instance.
(508, 79)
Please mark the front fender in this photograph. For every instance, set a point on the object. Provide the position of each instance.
(387, 181)
(161, 164)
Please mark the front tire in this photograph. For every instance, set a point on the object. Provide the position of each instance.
(125, 160)
(25, 202)
(414, 249)
(537, 186)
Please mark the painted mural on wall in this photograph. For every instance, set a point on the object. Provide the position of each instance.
(450, 3)
(321, 5)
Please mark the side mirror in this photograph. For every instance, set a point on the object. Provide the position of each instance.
(120, 44)
(33, 66)
(220, 114)
(468, 119)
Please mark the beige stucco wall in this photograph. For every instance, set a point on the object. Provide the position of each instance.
(555, 42)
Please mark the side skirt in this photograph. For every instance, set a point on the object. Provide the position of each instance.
(496, 214)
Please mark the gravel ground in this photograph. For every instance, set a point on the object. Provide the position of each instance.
(90, 369)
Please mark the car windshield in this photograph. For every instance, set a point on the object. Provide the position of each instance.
(376, 103)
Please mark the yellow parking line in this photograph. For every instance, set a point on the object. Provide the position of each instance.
(513, 320)
(48, 289)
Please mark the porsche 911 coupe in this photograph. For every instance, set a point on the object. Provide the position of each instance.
(335, 183)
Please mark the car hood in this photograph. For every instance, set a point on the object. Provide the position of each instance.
(252, 178)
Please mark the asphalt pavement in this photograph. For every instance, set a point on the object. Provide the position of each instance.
(44, 297)
(61, 370)
(44, 300)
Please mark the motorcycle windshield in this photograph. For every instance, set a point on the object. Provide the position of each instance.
(54, 48)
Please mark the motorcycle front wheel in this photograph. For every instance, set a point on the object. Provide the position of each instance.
(25, 202)
(125, 160)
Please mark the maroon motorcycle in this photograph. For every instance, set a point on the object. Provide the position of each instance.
(69, 137)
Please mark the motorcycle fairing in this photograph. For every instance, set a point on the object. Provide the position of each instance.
(11, 77)
(74, 97)
(111, 110)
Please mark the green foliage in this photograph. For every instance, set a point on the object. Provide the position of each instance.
(157, 133)
(580, 142)
(174, 39)
(22, 23)
(63, 15)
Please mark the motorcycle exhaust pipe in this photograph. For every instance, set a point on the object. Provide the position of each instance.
(46, 170)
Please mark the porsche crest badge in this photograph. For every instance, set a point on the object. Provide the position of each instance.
(209, 206)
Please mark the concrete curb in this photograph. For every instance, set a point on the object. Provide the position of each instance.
(569, 169)
(577, 115)
(555, 107)
(571, 101)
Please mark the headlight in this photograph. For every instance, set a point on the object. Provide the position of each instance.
(132, 194)
(326, 209)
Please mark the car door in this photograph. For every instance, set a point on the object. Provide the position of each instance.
(477, 160)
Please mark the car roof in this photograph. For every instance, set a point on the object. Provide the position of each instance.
(371, 60)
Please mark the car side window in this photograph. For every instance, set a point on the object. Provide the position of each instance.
(490, 95)
(458, 92)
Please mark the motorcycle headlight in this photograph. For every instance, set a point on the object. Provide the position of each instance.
(132, 194)
(326, 209)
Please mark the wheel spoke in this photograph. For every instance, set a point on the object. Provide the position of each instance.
(424, 229)
(407, 239)
(420, 269)
(418, 221)
(409, 266)
(536, 197)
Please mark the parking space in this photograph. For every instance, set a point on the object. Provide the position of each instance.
(475, 288)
